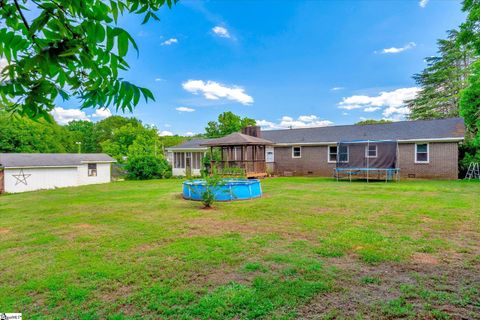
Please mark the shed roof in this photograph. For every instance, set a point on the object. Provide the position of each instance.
(401, 130)
(236, 139)
(18, 160)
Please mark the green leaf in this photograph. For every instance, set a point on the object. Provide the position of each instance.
(122, 43)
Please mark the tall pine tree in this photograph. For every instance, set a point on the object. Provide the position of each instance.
(442, 80)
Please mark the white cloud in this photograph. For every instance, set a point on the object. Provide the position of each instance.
(3, 63)
(213, 91)
(391, 50)
(159, 79)
(371, 109)
(392, 102)
(167, 125)
(337, 88)
(189, 134)
(165, 133)
(221, 32)
(102, 113)
(344, 113)
(185, 109)
(423, 3)
(286, 122)
(169, 42)
(64, 116)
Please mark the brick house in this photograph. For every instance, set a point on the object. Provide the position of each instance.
(426, 148)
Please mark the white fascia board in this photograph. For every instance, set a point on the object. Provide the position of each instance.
(186, 149)
(41, 167)
(452, 139)
(304, 144)
(93, 161)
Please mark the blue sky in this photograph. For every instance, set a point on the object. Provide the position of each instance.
(283, 63)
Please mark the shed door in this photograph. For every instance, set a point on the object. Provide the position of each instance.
(2, 183)
(270, 155)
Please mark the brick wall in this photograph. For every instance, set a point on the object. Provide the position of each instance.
(443, 162)
(313, 161)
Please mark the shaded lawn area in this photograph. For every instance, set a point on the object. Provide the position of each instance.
(310, 248)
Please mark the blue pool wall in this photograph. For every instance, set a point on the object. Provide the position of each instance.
(233, 189)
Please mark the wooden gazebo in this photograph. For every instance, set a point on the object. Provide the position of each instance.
(242, 151)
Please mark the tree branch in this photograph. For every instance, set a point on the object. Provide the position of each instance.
(25, 22)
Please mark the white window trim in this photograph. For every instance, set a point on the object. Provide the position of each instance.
(293, 153)
(348, 155)
(366, 151)
(329, 153)
(428, 153)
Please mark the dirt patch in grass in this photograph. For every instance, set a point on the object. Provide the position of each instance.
(210, 226)
(114, 294)
(424, 258)
(422, 288)
(4, 230)
(81, 230)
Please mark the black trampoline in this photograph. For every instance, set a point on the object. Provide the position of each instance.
(367, 159)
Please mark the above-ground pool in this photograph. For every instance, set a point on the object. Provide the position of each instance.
(231, 189)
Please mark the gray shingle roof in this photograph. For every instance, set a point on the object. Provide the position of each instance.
(402, 130)
(190, 144)
(236, 139)
(16, 160)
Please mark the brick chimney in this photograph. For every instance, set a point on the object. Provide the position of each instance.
(253, 131)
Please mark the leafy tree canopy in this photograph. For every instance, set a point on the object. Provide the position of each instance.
(228, 122)
(105, 129)
(372, 121)
(20, 134)
(69, 49)
(132, 140)
(82, 133)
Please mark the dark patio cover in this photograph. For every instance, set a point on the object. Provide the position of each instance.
(236, 139)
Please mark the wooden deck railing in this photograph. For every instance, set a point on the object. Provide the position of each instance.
(251, 168)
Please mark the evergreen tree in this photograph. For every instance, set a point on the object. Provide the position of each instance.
(442, 80)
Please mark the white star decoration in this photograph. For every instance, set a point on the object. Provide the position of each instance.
(21, 177)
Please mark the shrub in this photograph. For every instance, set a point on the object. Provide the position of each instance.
(212, 183)
(145, 167)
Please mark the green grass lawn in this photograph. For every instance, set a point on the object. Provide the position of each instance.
(310, 248)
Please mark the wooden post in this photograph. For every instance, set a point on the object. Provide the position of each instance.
(211, 160)
(254, 157)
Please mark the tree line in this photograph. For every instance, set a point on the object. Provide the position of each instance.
(450, 84)
(137, 147)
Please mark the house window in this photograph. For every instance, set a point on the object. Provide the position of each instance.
(332, 153)
(422, 153)
(196, 160)
(179, 160)
(343, 154)
(371, 151)
(296, 152)
(92, 169)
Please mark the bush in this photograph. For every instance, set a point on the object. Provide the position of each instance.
(147, 167)
(212, 183)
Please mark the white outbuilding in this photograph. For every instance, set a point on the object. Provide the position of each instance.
(20, 172)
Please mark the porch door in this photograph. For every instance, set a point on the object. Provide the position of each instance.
(188, 164)
(269, 154)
